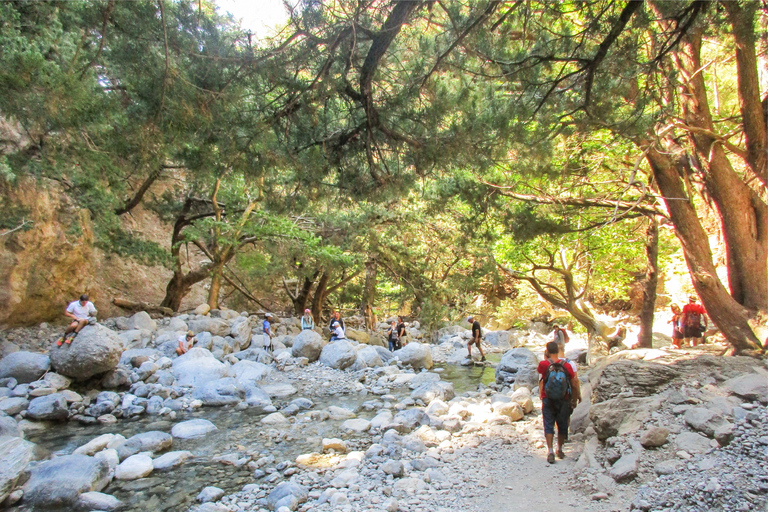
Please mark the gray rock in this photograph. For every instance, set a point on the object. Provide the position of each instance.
(654, 437)
(416, 355)
(692, 443)
(518, 362)
(170, 460)
(258, 355)
(394, 468)
(97, 501)
(192, 429)
(95, 350)
(209, 494)
(340, 355)
(249, 372)
(142, 320)
(15, 453)
(642, 378)
(219, 393)
(50, 407)
(286, 490)
(625, 468)
(24, 366)
(9, 427)
(215, 326)
(753, 386)
(667, 467)
(57, 483)
(240, 330)
(197, 367)
(13, 405)
(619, 416)
(411, 418)
(257, 398)
(370, 357)
(434, 390)
(152, 441)
(134, 467)
(501, 339)
(708, 422)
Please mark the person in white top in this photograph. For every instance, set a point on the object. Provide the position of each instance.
(80, 311)
(185, 343)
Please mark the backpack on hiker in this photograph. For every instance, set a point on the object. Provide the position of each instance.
(692, 319)
(566, 338)
(557, 385)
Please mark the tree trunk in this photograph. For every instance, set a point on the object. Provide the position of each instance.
(369, 293)
(668, 165)
(321, 293)
(215, 290)
(645, 338)
(179, 285)
(743, 214)
(301, 297)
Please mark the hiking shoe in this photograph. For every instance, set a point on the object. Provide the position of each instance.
(69, 340)
(560, 454)
(551, 458)
(60, 341)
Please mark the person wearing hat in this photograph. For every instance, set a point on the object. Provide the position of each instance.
(477, 333)
(307, 322)
(337, 332)
(185, 343)
(267, 327)
(80, 311)
(694, 321)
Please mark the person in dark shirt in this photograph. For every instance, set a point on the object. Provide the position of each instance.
(401, 331)
(336, 317)
(477, 333)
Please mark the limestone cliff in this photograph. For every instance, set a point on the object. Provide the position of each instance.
(53, 259)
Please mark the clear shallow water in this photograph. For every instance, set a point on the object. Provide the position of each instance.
(239, 431)
(466, 378)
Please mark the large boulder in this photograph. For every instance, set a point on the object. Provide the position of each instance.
(708, 422)
(370, 357)
(58, 482)
(95, 350)
(219, 392)
(215, 326)
(24, 366)
(516, 367)
(416, 355)
(197, 367)
(15, 453)
(340, 354)
(753, 386)
(434, 390)
(240, 330)
(249, 372)
(289, 494)
(642, 378)
(620, 416)
(501, 339)
(49, 407)
(141, 321)
(308, 344)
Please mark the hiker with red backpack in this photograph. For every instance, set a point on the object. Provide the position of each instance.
(694, 321)
(560, 336)
(557, 386)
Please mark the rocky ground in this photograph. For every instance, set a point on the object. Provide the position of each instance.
(661, 430)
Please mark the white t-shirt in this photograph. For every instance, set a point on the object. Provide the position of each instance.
(81, 312)
(184, 343)
(338, 332)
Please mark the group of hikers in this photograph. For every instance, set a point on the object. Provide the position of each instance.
(559, 387)
(689, 324)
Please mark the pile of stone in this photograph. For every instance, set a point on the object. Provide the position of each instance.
(686, 434)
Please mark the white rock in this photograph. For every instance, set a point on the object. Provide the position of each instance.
(134, 467)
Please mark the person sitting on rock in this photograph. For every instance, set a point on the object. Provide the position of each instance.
(80, 311)
(185, 343)
(307, 322)
(337, 332)
(557, 377)
(267, 327)
(336, 317)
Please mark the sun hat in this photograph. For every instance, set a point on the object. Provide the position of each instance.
(267, 315)
(336, 324)
(190, 334)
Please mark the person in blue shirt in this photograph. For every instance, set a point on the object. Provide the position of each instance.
(267, 327)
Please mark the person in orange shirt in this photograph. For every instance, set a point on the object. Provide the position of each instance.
(694, 321)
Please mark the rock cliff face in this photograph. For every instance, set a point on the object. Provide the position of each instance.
(54, 259)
